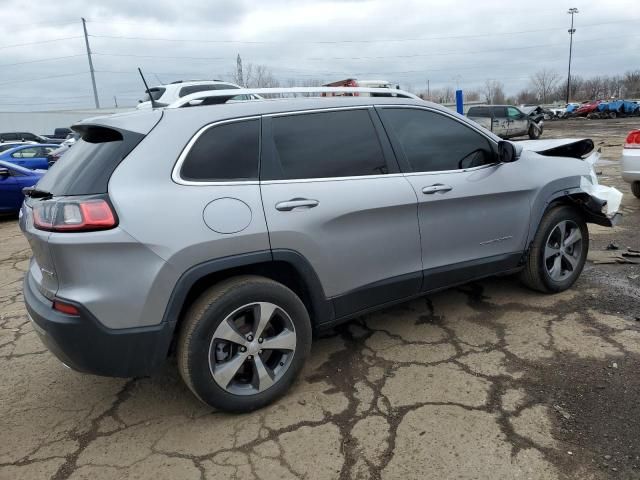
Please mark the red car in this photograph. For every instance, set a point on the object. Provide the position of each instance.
(587, 108)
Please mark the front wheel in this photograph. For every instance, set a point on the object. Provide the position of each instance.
(558, 252)
(535, 132)
(243, 343)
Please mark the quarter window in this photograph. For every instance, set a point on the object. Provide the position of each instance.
(326, 144)
(225, 152)
(434, 142)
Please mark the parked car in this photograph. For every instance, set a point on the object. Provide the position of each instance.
(14, 137)
(631, 161)
(13, 179)
(507, 121)
(55, 155)
(352, 82)
(29, 156)
(260, 222)
(60, 134)
(167, 94)
(10, 145)
(586, 108)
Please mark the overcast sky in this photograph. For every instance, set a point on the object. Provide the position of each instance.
(404, 41)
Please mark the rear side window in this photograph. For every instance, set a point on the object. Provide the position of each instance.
(229, 151)
(479, 112)
(88, 165)
(499, 112)
(327, 144)
(434, 142)
(203, 88)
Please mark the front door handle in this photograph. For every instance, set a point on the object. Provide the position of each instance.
(296, 203)
(436, 188)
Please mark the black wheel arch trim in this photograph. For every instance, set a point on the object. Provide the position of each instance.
(322, 310)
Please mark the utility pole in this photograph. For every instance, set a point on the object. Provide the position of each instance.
(428, 90)
(239, 72)
(572, 12)
(115, 101)
(93, 74)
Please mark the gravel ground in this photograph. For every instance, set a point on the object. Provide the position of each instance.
(486, 381)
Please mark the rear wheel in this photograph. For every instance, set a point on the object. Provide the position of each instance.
(558, 252)
(635, 189)
(243, 343)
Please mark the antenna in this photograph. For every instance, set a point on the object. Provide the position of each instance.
(154, 104)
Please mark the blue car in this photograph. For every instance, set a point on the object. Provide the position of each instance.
(12, 180)
(29, 156)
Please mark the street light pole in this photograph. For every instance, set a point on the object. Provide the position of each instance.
(572, 12)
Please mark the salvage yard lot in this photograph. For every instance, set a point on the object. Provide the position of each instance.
(488, 380)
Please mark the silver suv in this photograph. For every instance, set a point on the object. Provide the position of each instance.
(227, 234)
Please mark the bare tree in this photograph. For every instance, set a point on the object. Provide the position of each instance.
(494, 92)
(543, 83)
(255, 76)
(631, 83)
(593, 88)
(526, 96)
(472, 95)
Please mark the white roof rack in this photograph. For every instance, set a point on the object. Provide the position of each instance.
(187, 99)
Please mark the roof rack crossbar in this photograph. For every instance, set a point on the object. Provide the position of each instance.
(187, 99)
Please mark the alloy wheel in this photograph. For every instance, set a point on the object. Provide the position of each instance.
(252, 348)
(563, 250)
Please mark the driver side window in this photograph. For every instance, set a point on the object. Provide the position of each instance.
(513, 112)
(434, 142)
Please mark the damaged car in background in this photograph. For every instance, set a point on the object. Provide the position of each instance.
(507, 121)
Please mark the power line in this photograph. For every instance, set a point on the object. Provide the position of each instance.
(41, 60)
(158, 56)
(43, 78)
(331, 42)
(39, 42)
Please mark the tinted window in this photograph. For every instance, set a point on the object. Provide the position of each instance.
(9, 136)
(225, 152)
(87, 167)
(434, 142)
(156, 93)
(29, 137)
(499, 112)
(479, 112)
(327, 144)
(203, 88)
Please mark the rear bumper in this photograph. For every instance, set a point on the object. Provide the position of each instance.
(84, 344)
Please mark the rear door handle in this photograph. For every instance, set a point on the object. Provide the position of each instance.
(296, 203)
(436, 188)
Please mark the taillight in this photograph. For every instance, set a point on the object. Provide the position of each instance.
(73, 215)
(633, 139)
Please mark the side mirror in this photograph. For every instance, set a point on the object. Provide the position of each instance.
(4, 172)
(506, 152)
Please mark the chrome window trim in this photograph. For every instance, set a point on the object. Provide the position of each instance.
(175, 173)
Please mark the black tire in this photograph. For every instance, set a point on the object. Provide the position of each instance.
(534, 133)
(535, 274)
(635, 189)
(205, 316)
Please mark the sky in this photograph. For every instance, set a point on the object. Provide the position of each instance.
(43, 61)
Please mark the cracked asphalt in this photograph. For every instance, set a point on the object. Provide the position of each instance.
(485, 381)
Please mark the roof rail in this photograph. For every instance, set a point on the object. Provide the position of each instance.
(221, 96)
